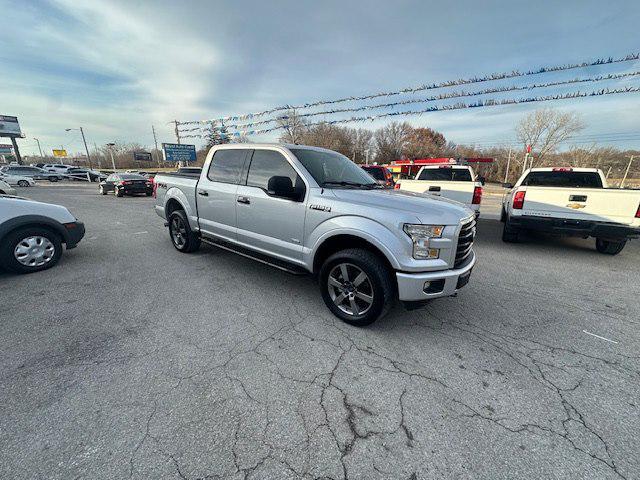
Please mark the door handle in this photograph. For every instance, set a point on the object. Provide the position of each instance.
(434, 189)
(244, 200)
(203, 193)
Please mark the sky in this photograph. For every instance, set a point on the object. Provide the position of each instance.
(118, 67)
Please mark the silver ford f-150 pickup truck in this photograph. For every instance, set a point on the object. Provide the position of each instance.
(311, 210)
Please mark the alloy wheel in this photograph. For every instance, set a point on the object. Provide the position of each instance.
(350, 289)
(178, 232)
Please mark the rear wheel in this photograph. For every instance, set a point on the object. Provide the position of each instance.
(53, 179)
(23, 183)
(31, 249)
(119, 192)
(510, 234)
(183, 239)
(610, 247)
(357, 286)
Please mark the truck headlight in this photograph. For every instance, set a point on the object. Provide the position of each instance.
(420, 235)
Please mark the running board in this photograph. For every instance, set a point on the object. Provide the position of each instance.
(258, 257)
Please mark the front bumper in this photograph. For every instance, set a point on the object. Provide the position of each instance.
(411, 286)
(74, 233)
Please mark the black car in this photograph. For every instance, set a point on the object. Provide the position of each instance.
(126, 184)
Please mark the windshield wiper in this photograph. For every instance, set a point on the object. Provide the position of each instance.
(350, 184)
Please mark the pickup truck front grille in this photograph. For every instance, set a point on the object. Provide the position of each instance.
(465, 242)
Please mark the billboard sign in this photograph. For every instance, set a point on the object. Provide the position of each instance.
(59, 153)
(175, 152)
(142, 157)
(6, 149)
(9, 126)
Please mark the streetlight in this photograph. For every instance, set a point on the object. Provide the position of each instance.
(85, 143)
(113, 163)
(38, 146)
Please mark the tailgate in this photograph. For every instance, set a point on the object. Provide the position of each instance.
(459, 191)
(603, 205)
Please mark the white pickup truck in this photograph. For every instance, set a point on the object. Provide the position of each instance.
(571, 202)
(455, 182)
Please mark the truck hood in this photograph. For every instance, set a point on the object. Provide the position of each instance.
(428, 208)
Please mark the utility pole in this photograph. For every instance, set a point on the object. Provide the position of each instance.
(113, 162)
(86, 149)
(40, 149)
(177, 131)
(155, 141)
(626, 172)
(506, 172)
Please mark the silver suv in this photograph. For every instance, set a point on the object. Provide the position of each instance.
(307, 209)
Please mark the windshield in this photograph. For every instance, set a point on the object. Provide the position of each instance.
(446, 174)
(563, 179)
(332, 168)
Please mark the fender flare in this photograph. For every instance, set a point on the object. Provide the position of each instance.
(35, 221)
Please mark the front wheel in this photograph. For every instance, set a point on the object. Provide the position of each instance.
(23, 183)
(183, 239)
(30, 249)
(101, 190)
(610, 247)
(357, 286)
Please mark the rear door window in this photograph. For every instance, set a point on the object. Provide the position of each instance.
(227, 165)
(563, 179)
(446, 174)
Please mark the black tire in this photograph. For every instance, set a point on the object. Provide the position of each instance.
(119, 192)
(379, 283)
(182, 238)
(148, 194)
(23, 183)
(52, 179)
(101, 190)
(510, 234)
(610, 247)
(503, 215)
(11, 241)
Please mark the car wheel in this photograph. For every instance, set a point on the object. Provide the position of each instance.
(357, 286)
(101, 190)
(610, 247)
(510, 234)
(148, 194)
(53, 179)
(183, 239)
(119, 192)
(31, 249)
(23, 183)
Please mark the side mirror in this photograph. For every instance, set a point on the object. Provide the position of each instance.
(281, 187)
(507, 185)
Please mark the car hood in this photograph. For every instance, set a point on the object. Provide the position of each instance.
(18, 206)
(428, 208)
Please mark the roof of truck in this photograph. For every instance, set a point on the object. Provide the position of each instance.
(567, 169)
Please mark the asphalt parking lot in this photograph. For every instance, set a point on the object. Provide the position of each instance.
(130, 359)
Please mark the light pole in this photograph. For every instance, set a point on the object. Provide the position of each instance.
(84, 140)
(38, 146)
(113, 163)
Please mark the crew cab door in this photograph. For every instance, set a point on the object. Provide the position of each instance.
(216, 193)
(270, 221)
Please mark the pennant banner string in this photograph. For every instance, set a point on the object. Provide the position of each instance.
(450, 83)
(443, 96)
(437, 108)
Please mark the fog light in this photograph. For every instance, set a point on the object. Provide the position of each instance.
(434, 286)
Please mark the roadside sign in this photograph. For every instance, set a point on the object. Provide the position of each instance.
(176, 152)
(59, 153)
(9, 126)
(142, 157)
(6, 149)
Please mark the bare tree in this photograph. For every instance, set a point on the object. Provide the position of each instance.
(293, 125)
(391, 141)
(546, 129)
(424, 143)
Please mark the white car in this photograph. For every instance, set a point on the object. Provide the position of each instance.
(6, 189)
(56, 167)
(573, 202)
(32, 234)
(18, 180)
